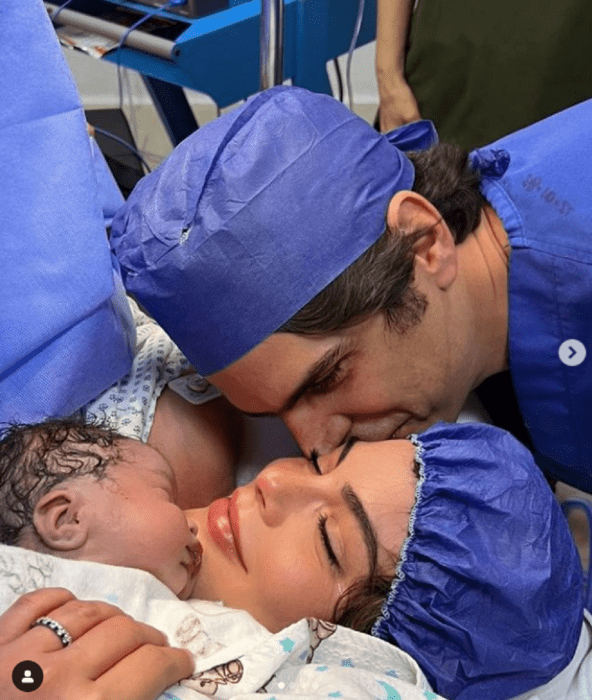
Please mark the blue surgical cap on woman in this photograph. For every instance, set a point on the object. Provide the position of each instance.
(254, 214)
(487, 596)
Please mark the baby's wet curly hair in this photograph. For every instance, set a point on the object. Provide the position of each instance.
(35, 458)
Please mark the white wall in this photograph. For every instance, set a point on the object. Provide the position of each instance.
(97, 80)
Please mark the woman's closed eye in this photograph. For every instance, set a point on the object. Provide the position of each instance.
(322, 522)
(326, 540)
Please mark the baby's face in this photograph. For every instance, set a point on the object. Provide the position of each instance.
(136, 522)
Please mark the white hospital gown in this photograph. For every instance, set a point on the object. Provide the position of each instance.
(130, 404)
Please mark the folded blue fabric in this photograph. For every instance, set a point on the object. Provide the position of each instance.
(66, 330)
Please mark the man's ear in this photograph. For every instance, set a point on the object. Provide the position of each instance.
(435, 251)
(60, 518)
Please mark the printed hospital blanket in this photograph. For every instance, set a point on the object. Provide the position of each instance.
(235, 657)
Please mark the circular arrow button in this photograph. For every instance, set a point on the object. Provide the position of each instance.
(572, 353)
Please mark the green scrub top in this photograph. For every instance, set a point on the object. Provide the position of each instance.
(481, 70)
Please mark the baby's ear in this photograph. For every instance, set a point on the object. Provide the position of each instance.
(60, 520)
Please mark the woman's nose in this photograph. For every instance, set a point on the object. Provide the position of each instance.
(287, 487)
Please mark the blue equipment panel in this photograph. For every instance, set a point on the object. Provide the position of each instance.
(218, 53)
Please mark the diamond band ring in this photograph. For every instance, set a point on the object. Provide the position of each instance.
(64, 636)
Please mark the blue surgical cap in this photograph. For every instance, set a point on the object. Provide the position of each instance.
(254, 214)
(487, 596)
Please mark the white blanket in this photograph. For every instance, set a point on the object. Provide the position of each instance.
(235, 656)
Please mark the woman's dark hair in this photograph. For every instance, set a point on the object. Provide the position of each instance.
(381, 280)
(359, 606)
(35, 458)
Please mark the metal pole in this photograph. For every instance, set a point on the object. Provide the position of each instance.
(271, 51)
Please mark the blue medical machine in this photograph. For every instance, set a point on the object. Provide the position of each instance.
(222, 47)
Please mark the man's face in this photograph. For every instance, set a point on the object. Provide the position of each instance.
(368, 381)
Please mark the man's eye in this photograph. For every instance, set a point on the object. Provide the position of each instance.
(329, 382)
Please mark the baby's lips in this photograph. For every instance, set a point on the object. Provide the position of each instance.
(196, 551)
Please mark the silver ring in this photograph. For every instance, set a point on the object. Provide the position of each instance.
(64, 636)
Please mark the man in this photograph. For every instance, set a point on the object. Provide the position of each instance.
(237, 246)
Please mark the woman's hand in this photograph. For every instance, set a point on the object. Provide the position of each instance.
(111, 655)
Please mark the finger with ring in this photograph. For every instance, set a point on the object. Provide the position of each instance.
(62, 633)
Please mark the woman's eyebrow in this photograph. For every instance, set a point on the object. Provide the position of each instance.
(359, 512)
(357, 509)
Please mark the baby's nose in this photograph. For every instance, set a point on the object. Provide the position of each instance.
(191, 523)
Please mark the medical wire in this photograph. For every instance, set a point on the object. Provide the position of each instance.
(352, 46)
(123, 142)
(55, 13)
(339, 78)
(134, 26)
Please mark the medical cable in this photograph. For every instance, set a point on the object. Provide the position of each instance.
(55, 13)
(339, 78)
(134, 26)
(352, 46)
(123, 142)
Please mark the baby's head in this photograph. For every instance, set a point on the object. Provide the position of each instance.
(85, 492)
(34, 459)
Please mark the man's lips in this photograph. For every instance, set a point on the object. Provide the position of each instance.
(223, 526)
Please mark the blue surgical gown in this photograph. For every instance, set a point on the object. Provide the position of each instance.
(544, 199)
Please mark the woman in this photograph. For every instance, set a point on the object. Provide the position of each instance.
(451, 546)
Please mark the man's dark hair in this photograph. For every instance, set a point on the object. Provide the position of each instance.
(35, 458)
(381, 279)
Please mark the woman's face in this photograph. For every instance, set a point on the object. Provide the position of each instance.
(288, 544)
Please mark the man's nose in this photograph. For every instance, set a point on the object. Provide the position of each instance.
(315, 430)
(285, 489)
(374, 428)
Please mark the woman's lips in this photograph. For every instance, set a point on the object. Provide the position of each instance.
(223, 527)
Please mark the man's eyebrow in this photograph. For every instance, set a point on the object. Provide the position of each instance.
(359, 512)
(316, 373)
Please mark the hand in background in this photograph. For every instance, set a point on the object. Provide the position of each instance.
(400, 107)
